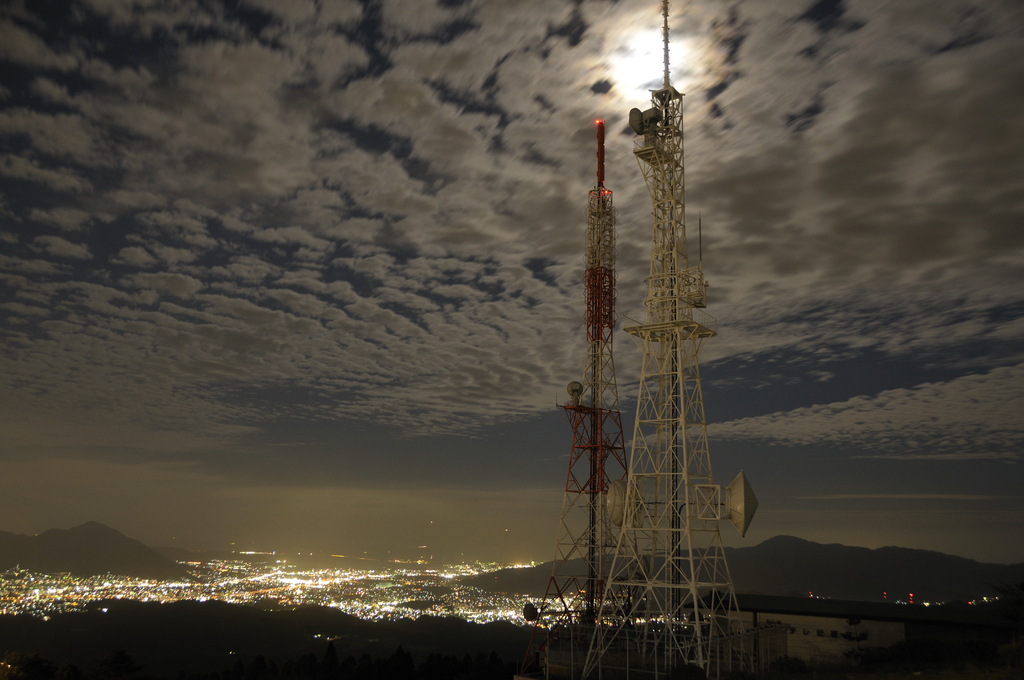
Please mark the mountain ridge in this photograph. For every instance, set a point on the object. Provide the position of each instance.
(791, 566)
(787, 565)
(89, 549)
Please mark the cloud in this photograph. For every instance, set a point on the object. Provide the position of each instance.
(134, 256)
(68, 219)
(55, 245)
(62, 179)
(1007, 456)
(21, 46)
(49, 90)
(175, 285)
(905, 496)
(26, 266)
(23, 310)
(342, 13)
(314, 198)
(60, 135)
(967, 418)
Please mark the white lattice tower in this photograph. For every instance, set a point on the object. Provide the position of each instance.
(669, 593)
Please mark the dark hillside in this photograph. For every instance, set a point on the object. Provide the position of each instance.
(87, 550)
(789, 566)
(786, 565)
(202, 636)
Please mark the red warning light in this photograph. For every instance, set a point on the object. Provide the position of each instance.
(911, 598)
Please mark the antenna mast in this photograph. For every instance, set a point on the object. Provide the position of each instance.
(597, 460)
(664, 33)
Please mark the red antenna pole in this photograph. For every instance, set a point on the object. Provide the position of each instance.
(586, 537)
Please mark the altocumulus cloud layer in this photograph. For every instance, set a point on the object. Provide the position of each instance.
(975, 416)
(255, 253)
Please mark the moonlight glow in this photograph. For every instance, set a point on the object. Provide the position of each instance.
(639, 64)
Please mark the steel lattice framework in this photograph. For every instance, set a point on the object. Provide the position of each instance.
(586, 538)
(669, 597)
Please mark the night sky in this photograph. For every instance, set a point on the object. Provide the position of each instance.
(307, 276)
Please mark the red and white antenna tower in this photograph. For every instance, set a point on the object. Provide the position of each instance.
(586, 540)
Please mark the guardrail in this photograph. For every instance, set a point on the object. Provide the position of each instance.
(691, 313)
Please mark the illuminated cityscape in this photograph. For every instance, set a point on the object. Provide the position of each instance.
(401, 591)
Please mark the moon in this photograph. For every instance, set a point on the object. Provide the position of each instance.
(638, 66)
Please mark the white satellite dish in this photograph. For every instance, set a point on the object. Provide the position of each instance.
(575, 390)
(617, 502)
(740, 503)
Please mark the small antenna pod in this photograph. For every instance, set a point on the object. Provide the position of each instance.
(700, 243)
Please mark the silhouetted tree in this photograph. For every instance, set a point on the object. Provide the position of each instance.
(19, 666)
(307, 667)
(426, 670)
(438, 667)
(466, 667)
(364, 669)
(257, 670)
(117, 665)
(399, 666)
(237, 671)
(1011, 601)
(495, 668)
(854, 636)
(329, 664)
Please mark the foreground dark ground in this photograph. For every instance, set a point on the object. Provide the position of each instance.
(117, 640)
(200, 637)
(914, 660)
(400, 666)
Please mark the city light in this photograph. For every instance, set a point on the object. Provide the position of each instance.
(395, 592)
